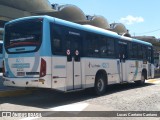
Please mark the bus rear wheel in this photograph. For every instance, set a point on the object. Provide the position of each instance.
(100, 85)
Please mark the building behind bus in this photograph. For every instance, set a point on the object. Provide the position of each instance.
(10, 10)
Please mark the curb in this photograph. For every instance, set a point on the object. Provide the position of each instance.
(12, 93)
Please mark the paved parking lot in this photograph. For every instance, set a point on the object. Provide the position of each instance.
(126, 97)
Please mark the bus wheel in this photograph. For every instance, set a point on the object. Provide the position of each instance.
(100, 85)
(142, 81)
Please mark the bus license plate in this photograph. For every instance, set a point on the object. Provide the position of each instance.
(20, 73)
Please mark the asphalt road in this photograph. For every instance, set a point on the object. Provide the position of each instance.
(125, 97)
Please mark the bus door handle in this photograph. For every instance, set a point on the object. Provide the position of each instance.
(77, 75)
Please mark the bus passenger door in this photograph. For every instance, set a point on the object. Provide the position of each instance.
(122, 61)
(73, 53)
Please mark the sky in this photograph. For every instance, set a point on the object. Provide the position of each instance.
(141, 17)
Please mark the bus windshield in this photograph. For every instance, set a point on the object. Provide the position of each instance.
(23, 36)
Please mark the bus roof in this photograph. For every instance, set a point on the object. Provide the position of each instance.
(88, 28)
(101, 29)
(135, 40)
(142, 42)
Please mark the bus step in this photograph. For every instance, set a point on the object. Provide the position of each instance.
(124, 82)
(74, 90)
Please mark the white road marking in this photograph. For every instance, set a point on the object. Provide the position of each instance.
(71, 107)
(30, 118)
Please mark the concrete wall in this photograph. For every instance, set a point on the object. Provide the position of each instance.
(8, 13)
(28, 5)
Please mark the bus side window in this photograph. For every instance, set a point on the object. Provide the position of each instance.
(1, 48)
(110, 48)
(129, 50)
(93, 48)
(56, 41)
(56, 45)
(103, 47)
(149, 55)
(144, 49)
(140, 52)
(135, 52)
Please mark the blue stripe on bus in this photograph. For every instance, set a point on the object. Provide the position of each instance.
(142, 42)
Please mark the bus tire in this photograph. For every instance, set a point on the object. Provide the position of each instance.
(142, 81)
(100, 85)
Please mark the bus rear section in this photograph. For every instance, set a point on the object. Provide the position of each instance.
(25, 65)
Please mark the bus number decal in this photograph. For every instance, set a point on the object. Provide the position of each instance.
(19, 60)
(21, 65)
(105, 65)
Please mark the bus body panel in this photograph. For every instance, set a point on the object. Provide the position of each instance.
(152, 70)
(134, 69)
(23, 69)
(59, 73)
(17, 64)
(25, 72)
(92, 66)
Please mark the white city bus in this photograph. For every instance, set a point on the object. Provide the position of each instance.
(47, 52)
